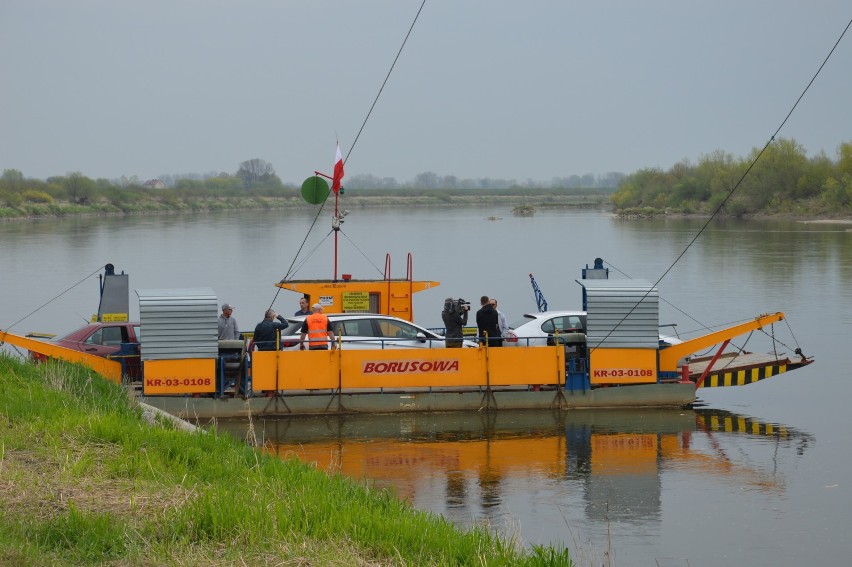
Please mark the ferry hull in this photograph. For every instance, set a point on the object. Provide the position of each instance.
(370, 402)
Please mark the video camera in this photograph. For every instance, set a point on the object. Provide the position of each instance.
(458, 305)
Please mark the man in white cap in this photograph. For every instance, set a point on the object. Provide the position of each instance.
(317, 327)
(228, 328)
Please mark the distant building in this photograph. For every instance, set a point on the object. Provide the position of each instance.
(154, 184)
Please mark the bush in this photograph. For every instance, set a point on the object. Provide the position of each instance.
(36, 197)
(11, 199)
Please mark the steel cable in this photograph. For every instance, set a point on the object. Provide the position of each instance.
(55, 298)
(739, 182)
(355, 141)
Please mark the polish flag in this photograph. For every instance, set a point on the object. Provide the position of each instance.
(338, 171)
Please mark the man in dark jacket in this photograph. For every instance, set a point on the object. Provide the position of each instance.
(454, 316)
(303, 307)
(266, 332)
(487, 321)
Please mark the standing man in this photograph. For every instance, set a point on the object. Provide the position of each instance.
(454, 316)
(317, 327)
(303, 307)
(501, 319)
(488, 323)
(228, 328)
(266, 332)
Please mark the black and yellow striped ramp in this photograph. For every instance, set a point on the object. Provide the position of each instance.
(741, 369)
(717, 420)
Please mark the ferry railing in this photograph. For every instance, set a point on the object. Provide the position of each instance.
(385, 343)
(416, 342)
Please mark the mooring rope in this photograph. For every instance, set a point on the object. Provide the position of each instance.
(739, 182)
(308, 256)
(378, 269)
(757, 157)
(352, 147)
(55, 298)
(670, 304)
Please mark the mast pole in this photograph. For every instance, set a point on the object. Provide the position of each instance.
(336, 226)
(335, 220)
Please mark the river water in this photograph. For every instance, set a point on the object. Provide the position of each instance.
(756, 475)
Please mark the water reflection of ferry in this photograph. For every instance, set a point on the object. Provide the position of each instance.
(616, 456)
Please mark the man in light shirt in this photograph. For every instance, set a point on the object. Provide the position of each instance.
(501, 319)
(228, 328)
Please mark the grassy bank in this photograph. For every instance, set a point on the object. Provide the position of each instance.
(85, 480)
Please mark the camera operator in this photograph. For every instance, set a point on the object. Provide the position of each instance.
(454, 316)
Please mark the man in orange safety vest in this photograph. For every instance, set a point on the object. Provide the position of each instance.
(318, 329)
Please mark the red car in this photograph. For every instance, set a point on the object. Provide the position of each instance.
(104, 339)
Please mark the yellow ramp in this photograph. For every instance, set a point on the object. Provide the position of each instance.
(109, 369)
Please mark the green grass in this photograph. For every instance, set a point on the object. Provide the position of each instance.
(85, 480)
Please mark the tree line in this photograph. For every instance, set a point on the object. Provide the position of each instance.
(784, 180)
(431, 180)
(76, 193)
(255, 184)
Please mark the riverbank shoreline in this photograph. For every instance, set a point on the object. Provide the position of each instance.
(86, 479)
(529, 203)
(805, 219)
(296, 204)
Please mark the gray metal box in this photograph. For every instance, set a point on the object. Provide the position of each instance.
(178, 323)
(621, 314)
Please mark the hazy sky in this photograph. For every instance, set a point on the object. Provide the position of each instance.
(521, 90)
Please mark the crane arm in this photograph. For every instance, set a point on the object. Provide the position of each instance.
(670, 355)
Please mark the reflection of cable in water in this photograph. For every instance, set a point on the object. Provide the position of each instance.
(489, 481)
(456, 496)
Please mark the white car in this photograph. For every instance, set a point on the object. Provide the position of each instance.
(370, 331)
(537, 329)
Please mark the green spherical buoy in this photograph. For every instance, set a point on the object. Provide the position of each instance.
(315, 190)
